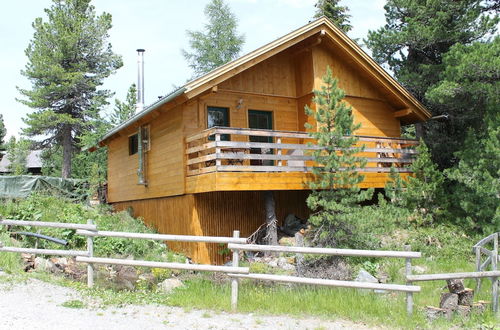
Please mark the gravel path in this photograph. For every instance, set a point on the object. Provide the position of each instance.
(38, 305)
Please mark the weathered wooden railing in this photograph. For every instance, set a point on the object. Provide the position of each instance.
(408, 255)
(492, 259)
(232, 150)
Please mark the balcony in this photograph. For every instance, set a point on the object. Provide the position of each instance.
(259, 155)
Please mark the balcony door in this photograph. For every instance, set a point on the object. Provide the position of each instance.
(261, 120)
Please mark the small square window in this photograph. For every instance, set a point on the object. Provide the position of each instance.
(133, 144)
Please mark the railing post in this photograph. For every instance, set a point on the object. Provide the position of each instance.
(234, 281)
(90, 252)
(477, 250)
(409, 295)
(217, 150)
(494, 280)
(278, 151)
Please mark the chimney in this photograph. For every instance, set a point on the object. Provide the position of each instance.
(140, 81)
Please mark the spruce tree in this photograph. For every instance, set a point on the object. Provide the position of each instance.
(218, 44)
(3, 132)
(68, 59)
(124, 110)
(336, 13)
(17, 155)
(336, 191)
(413, 43)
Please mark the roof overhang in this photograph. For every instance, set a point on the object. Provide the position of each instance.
(417, 111)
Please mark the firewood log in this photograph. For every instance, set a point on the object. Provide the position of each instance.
(449, 301)
(455, 285)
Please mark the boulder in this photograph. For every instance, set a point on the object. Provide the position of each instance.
(169, 285)
(43, 265)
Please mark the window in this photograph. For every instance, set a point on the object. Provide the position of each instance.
(133, 144)
(217, 116)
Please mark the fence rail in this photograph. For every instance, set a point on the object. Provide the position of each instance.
(236, 272)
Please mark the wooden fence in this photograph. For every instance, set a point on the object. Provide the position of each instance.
(236, 272)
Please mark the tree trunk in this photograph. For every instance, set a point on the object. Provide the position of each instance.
(271, 221)
(67, 152)
(419, 130)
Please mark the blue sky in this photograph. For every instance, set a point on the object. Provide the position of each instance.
(158, 26)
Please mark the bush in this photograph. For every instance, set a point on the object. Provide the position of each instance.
(41, 207)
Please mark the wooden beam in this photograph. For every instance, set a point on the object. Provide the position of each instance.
(402, 113)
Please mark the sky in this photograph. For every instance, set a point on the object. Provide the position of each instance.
(159, 26)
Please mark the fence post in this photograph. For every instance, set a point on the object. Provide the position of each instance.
(90, 252)
(477, 250)
(234, 281)
(494, 280)
(409, 295)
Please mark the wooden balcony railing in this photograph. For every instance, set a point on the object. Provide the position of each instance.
(227, 149)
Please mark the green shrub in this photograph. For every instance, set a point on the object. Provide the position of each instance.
(41, 207)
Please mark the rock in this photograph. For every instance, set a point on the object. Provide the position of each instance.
(169, 285)
(364, 276)
(126, 277)
(273, 263)
(455, 285)
(449, 301)
(463, 311)
(419, 269)
(466, 297)
(433, 313)
(43, 265)
(28, 261)
(288, 267)
(287, 241)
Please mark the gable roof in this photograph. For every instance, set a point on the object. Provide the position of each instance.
(33, 160)
(320, 26)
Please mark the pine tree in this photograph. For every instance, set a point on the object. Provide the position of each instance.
(3, 132)
(124, 110)
(17, 155)
(413, 44)
(218, 44)
(336, 191)
(68, 59)
(336, 13)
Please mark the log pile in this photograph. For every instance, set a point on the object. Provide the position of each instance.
(459, 300)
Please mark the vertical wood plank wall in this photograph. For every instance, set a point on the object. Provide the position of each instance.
(213, 214)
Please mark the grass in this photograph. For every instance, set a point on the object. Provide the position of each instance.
(73, 304)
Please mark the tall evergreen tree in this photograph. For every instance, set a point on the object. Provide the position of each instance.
(17, 155)
(68, 59)
(413, 43)
(336, 13)
(336, 191)
(3, 132)
(124, 109)
(218, 44)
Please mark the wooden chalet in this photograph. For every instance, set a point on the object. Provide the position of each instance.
(197, 161)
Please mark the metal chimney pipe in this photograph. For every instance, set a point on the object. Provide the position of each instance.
(140, 80)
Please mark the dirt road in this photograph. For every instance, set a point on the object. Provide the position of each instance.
(39, 305)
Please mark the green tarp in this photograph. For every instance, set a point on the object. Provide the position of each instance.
(21, 186)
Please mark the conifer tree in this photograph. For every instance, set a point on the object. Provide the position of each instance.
(336, 191)
(17, 155)
(3, 132)
(68, 59)
(124, 109)
(336, 13)
(218, 44)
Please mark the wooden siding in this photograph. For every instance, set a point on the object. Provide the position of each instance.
(212, 214)
(164, 162)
